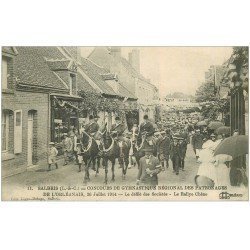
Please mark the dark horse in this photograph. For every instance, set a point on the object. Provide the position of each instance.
(140, 144)
(89, 153)
(113, 149)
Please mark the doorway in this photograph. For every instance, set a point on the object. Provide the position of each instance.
(30, 137)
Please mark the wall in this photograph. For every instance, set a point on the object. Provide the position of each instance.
(26, 101)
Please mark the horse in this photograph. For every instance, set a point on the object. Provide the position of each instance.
(112, 150)
(140, 144)
(89, 153)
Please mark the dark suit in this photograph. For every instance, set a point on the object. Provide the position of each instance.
(163, 149)
(154, 165)
(175, 156)
(92, 128)
(120, 128)
(183, 150)
(147, 127)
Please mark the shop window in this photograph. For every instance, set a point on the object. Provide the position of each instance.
(4, 73)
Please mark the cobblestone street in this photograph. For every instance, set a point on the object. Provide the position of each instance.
(69, 175)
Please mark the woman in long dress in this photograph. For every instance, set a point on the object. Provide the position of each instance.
(206, 175)
(222, 170)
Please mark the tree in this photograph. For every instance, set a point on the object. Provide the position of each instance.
(206, 92)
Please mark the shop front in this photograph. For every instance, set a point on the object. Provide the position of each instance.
(64, 117)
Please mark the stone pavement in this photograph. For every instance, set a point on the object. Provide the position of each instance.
(69, 175)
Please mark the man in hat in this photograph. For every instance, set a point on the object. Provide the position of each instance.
(183, 150)
(197, 142)
(146, 127)
(52, 153)
(118, 128)
(164, 149)
(92, 127)
(149, 168)
(67, 147)
(175, 154)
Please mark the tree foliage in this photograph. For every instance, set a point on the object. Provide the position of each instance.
(206, 92)
(96, 102)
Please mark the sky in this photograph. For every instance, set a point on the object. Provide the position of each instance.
(177, 69)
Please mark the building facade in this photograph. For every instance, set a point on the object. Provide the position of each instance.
(130, 77)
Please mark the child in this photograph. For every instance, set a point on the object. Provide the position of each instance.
(79, 155)
(52, 153)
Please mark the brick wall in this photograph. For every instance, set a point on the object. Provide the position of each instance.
(26, 101)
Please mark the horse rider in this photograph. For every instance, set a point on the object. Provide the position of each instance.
(92, 127)
(117, 129)
(147, 129)
(146, 126)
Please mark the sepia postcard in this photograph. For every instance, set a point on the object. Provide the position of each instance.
(124, 123)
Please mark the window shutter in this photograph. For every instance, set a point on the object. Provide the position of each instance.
(18, 131)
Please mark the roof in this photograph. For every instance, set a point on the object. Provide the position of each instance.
(95, 73)
(102, 56)
(46, 67)
(62, 64)
(9, 50)
(31, 66)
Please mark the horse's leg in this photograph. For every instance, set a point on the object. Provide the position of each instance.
(113, 169)
(125, 166)
(93, 164)
(85, 170)
(98, 165)
(105, 165)
(137, 161)
(88, 165)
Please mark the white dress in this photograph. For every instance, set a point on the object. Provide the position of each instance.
(206, 157)
(222, 170)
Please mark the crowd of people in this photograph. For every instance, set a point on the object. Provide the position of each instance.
(170, 137)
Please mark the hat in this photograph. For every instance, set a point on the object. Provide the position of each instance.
(197, 130)
(65, 134)
(145, 117)
(117, 118)
(51, 143)
(78, 143)
(163, 132)
(212, 135)
(91, 117)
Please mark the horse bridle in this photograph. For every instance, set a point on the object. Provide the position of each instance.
(89, 144)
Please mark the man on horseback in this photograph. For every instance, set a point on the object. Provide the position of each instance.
(92, 127)
(146, 126)
(117, 131)
(146, 130)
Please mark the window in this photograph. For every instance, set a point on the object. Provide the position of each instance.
(5, 130)
(4, 73)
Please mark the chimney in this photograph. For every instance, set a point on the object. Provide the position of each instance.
(134, 59)
(115, 51)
